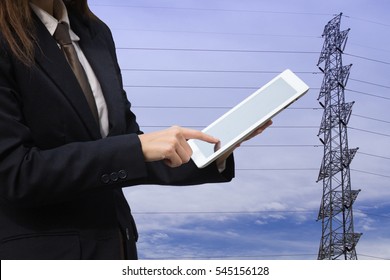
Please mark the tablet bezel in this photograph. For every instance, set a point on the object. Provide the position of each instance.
(289, 77)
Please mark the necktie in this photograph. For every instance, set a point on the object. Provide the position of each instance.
(63, 38)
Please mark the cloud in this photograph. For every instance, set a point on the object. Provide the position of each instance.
(241, 237)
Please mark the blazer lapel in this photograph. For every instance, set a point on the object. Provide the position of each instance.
(54, 64)
(95, 48)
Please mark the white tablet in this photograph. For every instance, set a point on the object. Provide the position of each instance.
(247, 116)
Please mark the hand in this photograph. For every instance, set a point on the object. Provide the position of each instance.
(258, 131)
(171, 145)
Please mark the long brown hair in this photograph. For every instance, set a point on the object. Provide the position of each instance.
(17, 28)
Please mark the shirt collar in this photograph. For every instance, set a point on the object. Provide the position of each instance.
(51, 22)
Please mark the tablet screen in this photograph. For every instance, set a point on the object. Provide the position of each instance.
(246, 115)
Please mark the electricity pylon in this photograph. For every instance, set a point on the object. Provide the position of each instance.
(338, 239)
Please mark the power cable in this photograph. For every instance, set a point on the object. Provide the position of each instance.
(244, 51)
(214, 71)
(371, 155)
(243, 212)
(212, 10)
(367, 20)
(370, 173)
(229, 107)
(370, 83)
(368, 94)
(369, 118)
(367, 58)
(217, 50)
(237, 11)
(222, 212)
(374, 257)
(369, 131)
(218, 33)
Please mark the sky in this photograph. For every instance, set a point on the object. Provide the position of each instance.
(187, 62)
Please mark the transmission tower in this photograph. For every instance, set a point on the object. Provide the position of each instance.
(338, 239)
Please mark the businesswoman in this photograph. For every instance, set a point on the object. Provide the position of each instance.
(69, 141)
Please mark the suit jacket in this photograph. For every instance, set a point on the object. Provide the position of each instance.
(60, 182)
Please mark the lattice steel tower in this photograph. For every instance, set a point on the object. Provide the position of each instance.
(338, 239)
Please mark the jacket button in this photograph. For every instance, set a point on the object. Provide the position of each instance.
(114, 176)
(105, 178)
(122, 174)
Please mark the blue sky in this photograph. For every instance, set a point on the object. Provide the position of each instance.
(187, 62)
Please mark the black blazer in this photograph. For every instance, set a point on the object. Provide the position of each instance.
(60, 182)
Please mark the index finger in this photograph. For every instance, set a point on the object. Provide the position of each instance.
(199, 135)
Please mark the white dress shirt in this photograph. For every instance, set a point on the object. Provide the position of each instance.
(51, 23)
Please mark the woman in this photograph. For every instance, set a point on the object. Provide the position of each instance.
(61, 169)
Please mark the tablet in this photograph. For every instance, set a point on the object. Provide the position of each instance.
(254, 111)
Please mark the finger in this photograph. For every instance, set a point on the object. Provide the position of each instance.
(260, 129)
(264, 126)
(173, 160)
(184, 152)
(182, 148)
(267, 124)
(171, 157)
(187, 149)
(196, 134)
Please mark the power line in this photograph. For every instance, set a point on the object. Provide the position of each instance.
(371, 155)
(267, 256)
(369, 118)
(375, 215)
(277, 169)
(241, 34)
(307, 211)
(283, 170)
(230, 87)
(229, 107)
(281, 146)
(374, 257)
(243, 51)
(236, 87)
(277, 127)
(367, 20)
(273, 126)
(208, 107)
(304, 146)
(218, 50)
(370, 83)
(180, 107)
(244, 34)
(256, 257)
(236, 11)
(211, 9)
(368, 94)
(219, 33)
(307, 169)
(369, 59)
(235, 71)
(214, 71)
(188, 87)
(370, 173)
(227, 257)
(369, 131)
(221, 212)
